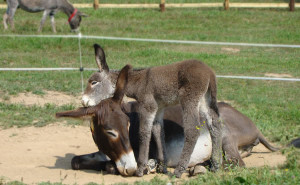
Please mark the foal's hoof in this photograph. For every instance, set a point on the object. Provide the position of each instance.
(195, 170)
(75, 163)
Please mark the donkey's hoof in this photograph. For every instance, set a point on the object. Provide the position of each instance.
(161, 168)
(75, 163)
(178, 172)
(195, 170)
(151, 166)
(140, 172)
(111, 168)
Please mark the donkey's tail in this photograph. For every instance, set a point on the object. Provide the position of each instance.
(263, 141)
(212, 87)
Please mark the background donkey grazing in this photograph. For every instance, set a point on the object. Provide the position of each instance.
(190, 83)
(50, 7)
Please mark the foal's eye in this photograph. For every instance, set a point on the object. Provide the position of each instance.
(112, 133)
(94, 82)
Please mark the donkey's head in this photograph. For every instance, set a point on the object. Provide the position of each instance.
(110, 127)
(101, 84)
(75, 19)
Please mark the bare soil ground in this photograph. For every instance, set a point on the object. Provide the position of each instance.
(33, 155)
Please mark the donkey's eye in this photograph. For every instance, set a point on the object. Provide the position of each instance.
(112, 133)
(94, 82)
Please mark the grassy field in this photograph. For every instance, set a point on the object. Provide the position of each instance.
(273, 105)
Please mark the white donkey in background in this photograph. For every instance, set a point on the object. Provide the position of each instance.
(50, 7)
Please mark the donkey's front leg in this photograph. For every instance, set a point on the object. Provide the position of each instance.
(45, 14)
(159, 137)
(147, 114)
(53, 23)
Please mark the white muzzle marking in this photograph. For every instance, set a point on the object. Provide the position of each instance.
(127, 164)
(87, 102)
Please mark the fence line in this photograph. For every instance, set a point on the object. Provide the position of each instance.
(181, 5)
(81, 69)
(158, 40)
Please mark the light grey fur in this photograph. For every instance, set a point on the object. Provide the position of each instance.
(50, 7)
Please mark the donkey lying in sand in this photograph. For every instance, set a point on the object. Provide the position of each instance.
(190, 83)
(50, 7)
(114, 138)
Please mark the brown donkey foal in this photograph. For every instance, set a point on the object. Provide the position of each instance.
(107, 117)
(190, 83)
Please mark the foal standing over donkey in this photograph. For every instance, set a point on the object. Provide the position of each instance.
(50, 7)
(190, 83)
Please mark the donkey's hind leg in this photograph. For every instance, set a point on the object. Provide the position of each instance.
(215, 129)
(159, 137)
(12, 6)
(191, 123)
(5, 19)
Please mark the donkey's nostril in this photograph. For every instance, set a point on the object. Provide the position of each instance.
(130, 171)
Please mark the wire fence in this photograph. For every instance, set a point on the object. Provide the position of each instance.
(80, 36)
(81, 68)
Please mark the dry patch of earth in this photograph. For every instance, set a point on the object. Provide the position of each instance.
(50, 97)
(276, 75)
(44, 154)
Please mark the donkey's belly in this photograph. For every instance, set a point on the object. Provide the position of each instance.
(201, 153)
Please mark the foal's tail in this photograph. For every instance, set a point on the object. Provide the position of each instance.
(212, 87)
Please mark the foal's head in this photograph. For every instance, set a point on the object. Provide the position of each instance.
(110, 127)
(101, 84)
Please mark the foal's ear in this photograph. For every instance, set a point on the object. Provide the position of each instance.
(78, 113)
(100, 58)
(121, 84)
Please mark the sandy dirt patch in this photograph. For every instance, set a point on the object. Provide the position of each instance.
(231, 50)
(44, 154)
(50, 97)
(276, 75)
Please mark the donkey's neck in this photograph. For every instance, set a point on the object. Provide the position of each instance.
(67, 7)
(136, 83)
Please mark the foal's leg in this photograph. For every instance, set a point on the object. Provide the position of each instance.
(45, 14)
(147, 112)
(159, 137)
(215, 130)
(191, 123)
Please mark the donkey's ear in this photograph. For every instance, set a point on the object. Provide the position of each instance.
(100, 58)
(78, 113)
(121, 84)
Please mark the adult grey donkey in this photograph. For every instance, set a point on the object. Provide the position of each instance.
(50, 7)
(190, 83)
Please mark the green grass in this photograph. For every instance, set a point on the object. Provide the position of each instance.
(273, 105)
